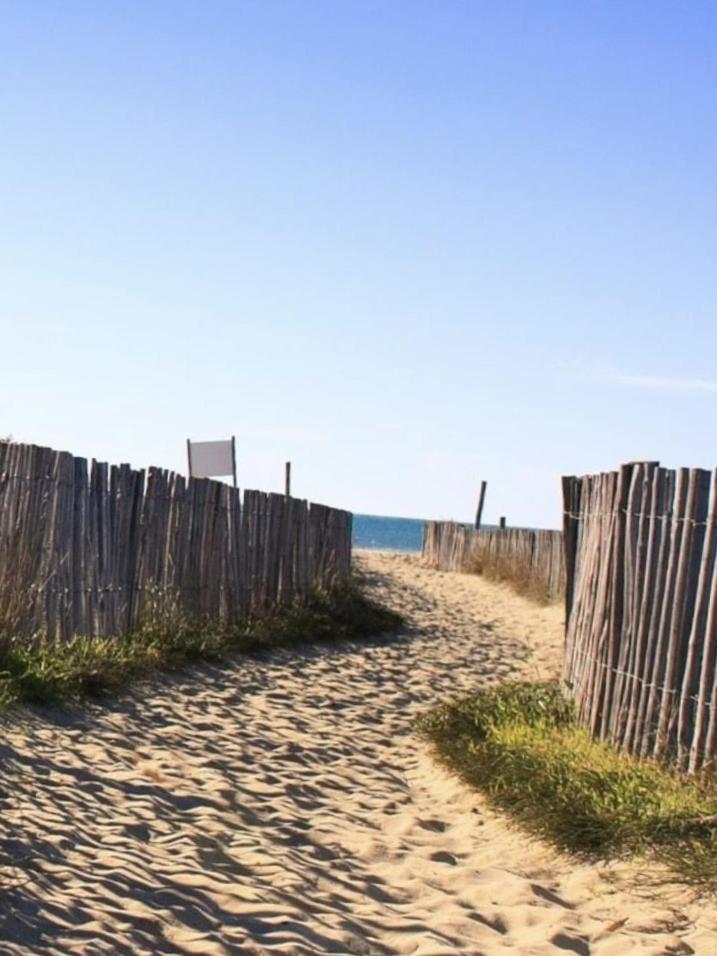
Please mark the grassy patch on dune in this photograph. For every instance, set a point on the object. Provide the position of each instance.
(504, 569)
(60, 672)
(520, 745)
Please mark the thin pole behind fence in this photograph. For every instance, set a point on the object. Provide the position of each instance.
(481, 502)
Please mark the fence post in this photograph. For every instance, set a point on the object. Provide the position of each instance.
(481, 500)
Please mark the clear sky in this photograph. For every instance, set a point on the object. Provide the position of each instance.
(408, 245)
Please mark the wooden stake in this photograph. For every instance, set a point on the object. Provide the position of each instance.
(481, 500)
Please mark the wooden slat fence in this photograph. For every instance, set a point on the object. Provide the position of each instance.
(531, 559)
(98, 550)
(641, 644)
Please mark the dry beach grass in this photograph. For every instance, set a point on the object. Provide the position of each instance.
(283, 804)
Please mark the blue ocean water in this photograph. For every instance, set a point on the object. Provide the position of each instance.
(387, 534)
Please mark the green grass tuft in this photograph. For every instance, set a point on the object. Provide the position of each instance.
(520, 745)
(61, 672)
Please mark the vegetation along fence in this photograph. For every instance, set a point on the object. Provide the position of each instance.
(96, 551)
(641, 646)
(531, 560)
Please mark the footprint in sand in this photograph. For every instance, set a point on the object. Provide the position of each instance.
(437, 826)
(442, 856)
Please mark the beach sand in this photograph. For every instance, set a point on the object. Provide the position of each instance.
(283, 805)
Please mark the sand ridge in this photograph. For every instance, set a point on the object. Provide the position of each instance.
(283, 805)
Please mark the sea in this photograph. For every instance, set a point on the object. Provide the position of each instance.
(387, 534)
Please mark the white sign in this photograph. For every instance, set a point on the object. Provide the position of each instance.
(209, 459)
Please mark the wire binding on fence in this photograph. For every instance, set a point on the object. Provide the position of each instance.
(673, 519)
(647, 685)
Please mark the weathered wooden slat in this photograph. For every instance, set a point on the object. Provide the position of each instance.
(651, 532)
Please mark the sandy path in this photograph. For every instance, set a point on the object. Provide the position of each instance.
(283, 806)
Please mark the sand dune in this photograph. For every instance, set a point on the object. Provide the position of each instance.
(284, 806)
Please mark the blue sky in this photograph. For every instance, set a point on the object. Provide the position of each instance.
(407, 245)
